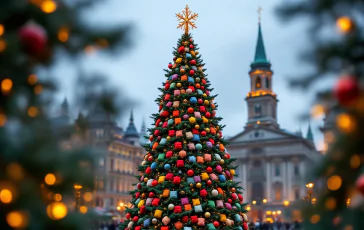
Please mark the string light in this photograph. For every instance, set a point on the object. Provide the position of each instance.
(6, 85)
(6, 196)
(315, 219)
(345, 122)
(57, 197)
(32, 79)
(2, 45)
(63, 34)
(3, 119)
(87, 196)
(354, 161)
(38, 89)
(50, 179)
(344, 24)
(334, 183)
(33, 111)
(2, 29)
(17, 219)
(57, 210)
(83, 209)
(48, 6)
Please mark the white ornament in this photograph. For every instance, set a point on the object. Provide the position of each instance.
(188, 91)
(154, 220)
(214, 192)
(143, 162)
(171, 206)
(130, 225)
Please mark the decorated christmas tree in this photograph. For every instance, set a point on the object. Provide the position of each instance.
(186, 178)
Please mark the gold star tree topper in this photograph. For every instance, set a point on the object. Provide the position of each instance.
(186, 20)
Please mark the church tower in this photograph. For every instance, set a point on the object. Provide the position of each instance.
(261, 100)
(131, 134)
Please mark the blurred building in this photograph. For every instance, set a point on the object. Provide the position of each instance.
(272, 161)
(119, 152)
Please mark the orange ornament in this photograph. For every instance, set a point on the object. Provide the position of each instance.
(182, 70)
(198, 85)
(190, 110)
(178, 225)
(213, 105)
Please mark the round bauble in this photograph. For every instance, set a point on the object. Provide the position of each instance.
(198, 185)
(214, 192)
(171, 206)
(207, 130)
(143, 162)
(222, 161)
(233, 189)
(216, 224)
(154, 183)
(209, 182)
(347, 90)
(192, 72)
(360, 184)
(127, 216)
(198, 85)
(188, 91)
(151, 194)
(197, 126)
(206, 102)
(168, 138)
(200, 101)
(181, 49)
(182, 70)
(208, 114)
(197, 79)
(190, 172)
(207, 214)
(135, 219)
(191, 46)
(33, 38)
(193, 62)
(146, 179)
(191, 185)
(179, 85)
(159, 138)
(150, 158)
(190, 110)
(203, 133)
(209, 169)
(170, 66)
(230, 200)
(191, 40)
(154, 221)
(167, 166)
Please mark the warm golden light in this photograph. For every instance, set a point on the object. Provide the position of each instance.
(348, 202)
(1, 29)
(77, 186)
(57, 197)
(310, 185)
(268, 212)
(274, 212)
(33, 111)
(15, 171)
(334, 183)
(17, 219)
(279, 212)
(48, 6)
(254, 202)
(286, 203)
(50, 179)
(6, 85)
(57, 210)
(87, 196)
(330, 203)
(313, 201)
(38, 89)
(248, 208)
(118, 208)
(354, 161)
(63, 34)
(345, 123)
(315, 219)
(317, 111)
(265, 201)
(344, 24)
(258, 122)
(2, 45)
(103, 43)
(3, 119)
(32, 79)
(83, 209)
(6, 196)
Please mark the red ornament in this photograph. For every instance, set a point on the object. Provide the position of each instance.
(209, 169)
(234, 196)
(191, 46)
(175, 58)
(185, 219)
(216, 224)
(176, 180)
(245, 226)
(200, 101)
(165, 114)
(192, 72)
(181, 49)
(202, 87)
(33, 38)
(135, 219)
(360, 184)
(203, 193)
(230, 200)
(193, 62)
(170, 66)
(137, 195)
(203, 133)
(347, 90)
(209, 182)
(241, 198)
(127, 216)
(148, 170)
(159, 138)
(154, 183)
(190, 110)
(169, 154)
(151, 194)
(191, 40)
(190, 172)
(208, 114)
(157, 132)
(150, 158)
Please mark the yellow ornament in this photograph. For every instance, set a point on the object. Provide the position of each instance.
(197, 52)
(198, 185)
(206, 102)
(193, 53)
(197, 126)
(179, 84)
(168, 138)
(222, 161)
(217, 127)
(233, 189)
(191, 185)
(207, 130)
(204, 95)
(146, 179)
(205, 120)
(192, 120)
(179, 60)
(207, 214)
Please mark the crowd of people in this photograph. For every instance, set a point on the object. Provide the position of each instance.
(277, 225)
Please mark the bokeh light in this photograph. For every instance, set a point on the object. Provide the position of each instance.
(50, 179)
(57, 210)
(63, 34)
(32, 79)
(33, 111)
(38, 89)
(17, 219)
(317, 111)
(6, 85)
(87, 196)
(334, 183)
(3, 119)
(345, 122)
(83, 209)
(57, 197)
(344, 24)
(6, 196)
(315, 219)
(1, 29)
(48, 6)
(330, 203)
(354, 161)
(2, 45)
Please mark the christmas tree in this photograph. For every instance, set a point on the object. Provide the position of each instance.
(186, 178)
(340, 201)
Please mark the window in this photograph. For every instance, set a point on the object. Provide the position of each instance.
(267, 83)
(297, 195)
(296, 170)
(257, 191)
(117, 185)
(111, 184)
(257, 109)
(278, 191)
(99, 133)
(111, 201)
(258, 83)
(112, 164)
(101, 162)
(277, 170)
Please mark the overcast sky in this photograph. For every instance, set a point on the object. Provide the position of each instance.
(226, 34)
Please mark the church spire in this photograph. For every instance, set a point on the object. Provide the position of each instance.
(260, 58)
(64, 108)
(309, 135)
(131, 130)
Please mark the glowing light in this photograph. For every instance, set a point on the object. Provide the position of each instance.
(274, 212)
(50, 179)
(348, 202)
(345, 123)
(38, 89)
(6, 85)
(90, 49)
(103, 43)
(265, 201)
(63, 34)
(87, 196)
(32, 79)
(344, 24)
(57, 197)
(279, 212)
(57, 210)
(268, 212)
(118, 208)
(83, 209)
(286, 203)
(354, 161)
(33, 111)
(16, 219)
(254, 202)
(3, 119)
(2, 29)
(315, 219)
(6, 196)
(2, 45)
(258, 122)
(313, 201)
(15, 171)
(334, 183)
(248, 208)
(310, 185)
(48, 6)
(317, 111)
(330, 203)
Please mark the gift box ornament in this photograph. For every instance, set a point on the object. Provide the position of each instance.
(161, 157)
(207, 157)
(173, 194)
(149, 202)
(165, 193)
(187, 228)
(194, 68)
(169, 176)
(192, 120)
(176, 104)
(141, 203)
(176, 180)
(175, 113)
(176, 92)
(165, 124)
(146, 222)
(158, 213)
(186, 117)
(196, 137)
(210, 226)
(211, 204)
(196, 201)
(189, 91)
(184, 201)
(155, 202)
(189, 135)
(177, 209)
(177, 120)
(202, 109)
(161, 179)
(197, 179)
(192, 159)
(180, 163)
(204, 176)
(197, 114)
(200, 160)
(205, 120)
(184, 78)
(201, 221)
(191, 146)
(219, 204)
(198, 208)
(165, 220)
(178, 145)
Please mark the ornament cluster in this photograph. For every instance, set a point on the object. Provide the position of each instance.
(186, 178)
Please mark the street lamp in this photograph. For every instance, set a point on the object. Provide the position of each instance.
(286, 203)
(265, 201)
(309, 191)
(78, 188)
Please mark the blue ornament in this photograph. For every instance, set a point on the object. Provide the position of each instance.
(153, 166)
(198, 146)
(192, 159)
(193, 100)
(191, 80)
(188, 56)
(167, 167)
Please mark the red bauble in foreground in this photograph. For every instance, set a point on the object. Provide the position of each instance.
(347, 90)
(360, 184)
(33, 38)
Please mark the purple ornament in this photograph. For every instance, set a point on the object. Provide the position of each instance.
(209, 144)
(185, 117)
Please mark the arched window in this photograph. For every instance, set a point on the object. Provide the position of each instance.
(278, 191)
(257, 109)
(257, 191)
(258, 83)
(267, 83)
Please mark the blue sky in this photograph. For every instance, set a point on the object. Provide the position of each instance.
(226, 34)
